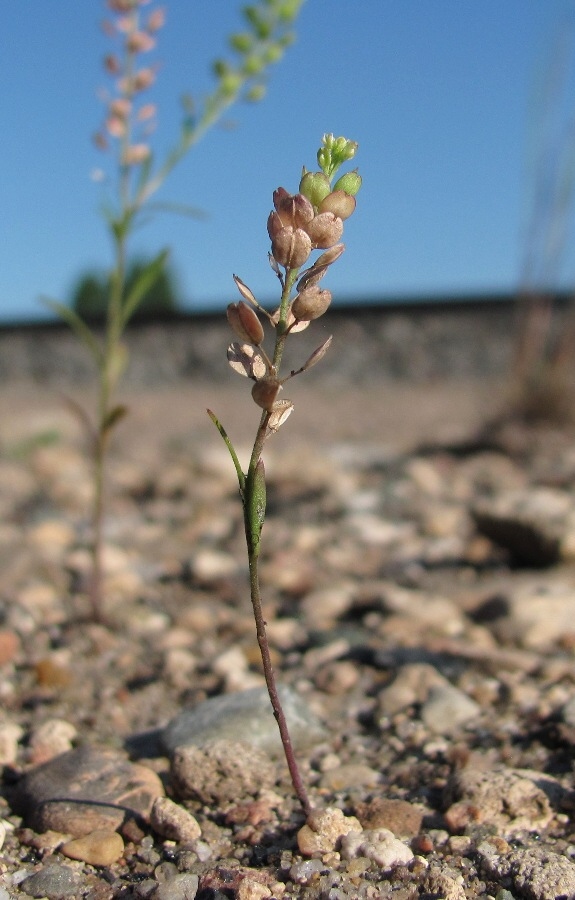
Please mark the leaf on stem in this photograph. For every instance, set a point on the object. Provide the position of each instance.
(146, 278)
(78, 325)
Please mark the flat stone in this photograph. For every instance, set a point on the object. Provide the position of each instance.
(87, 789)
(245, 716)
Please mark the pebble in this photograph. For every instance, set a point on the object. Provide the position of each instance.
(54, 882)
(183, 886)
(98, 848)
(174, 822)
(378, 844)
(324, 830)
(245, 716)
(10, 735)
(101, 788)
(538, 873)
(402, 818)
(51, 738)
(511, 800)
(447, 709)
(9, 646)
(220, 771)
(348, 777)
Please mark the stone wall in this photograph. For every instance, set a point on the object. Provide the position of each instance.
(417, 343)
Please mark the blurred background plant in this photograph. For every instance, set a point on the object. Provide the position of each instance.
(89, 296)
(543, 373)
(129, 123)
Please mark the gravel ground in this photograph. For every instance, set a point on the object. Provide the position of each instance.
(419, 587)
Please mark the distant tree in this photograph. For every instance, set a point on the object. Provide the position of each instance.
(90, 294)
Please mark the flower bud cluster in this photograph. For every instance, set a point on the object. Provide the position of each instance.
(127, 119)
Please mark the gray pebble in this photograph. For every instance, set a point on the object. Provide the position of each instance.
(181, 887)
(54, 882)
(245, 716)
(447, 709)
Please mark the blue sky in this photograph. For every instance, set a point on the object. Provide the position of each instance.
(436, 92)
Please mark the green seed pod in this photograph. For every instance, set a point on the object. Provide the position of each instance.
(350, 183)
(315, 186)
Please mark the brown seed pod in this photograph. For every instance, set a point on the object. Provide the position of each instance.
(265, 391)
(311, 304)
(339, 203)
(325, 230)
(291, 248)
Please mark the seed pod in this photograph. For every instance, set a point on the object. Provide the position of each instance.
(275, 225)
(265, 391)
(311, 304)
(291, 248)
(315, 186)
(339, 203)
(281, 411)
(325, 230)
(350, 183)
(317, 355)
(295, 210)
(251, 323)
(330, 256)
(311, 276)
(245, 291)
(245, 323)
(246, 360)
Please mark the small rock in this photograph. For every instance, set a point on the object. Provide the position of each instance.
(244, 716)
(510, 800)
(220, 771)
(86, 789)
(411, 685)
(173, 822)
(324, 830)
(99, 848)
(402, 818)
(380, 845)
(50, 739)
(9, 646)
(444, 883)
(348, 776)
(54, 882)
(447, 709)
(252, 890)
(183, 886)
(530, 523)
(536, 873)
(10, 734)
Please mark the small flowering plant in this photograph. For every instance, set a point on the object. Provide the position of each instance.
(132, 27)
(298, 225)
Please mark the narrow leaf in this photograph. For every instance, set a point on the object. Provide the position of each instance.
(78, 325)
(147, 277)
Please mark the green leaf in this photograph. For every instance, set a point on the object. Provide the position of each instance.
(144, 282)
(78, 325)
